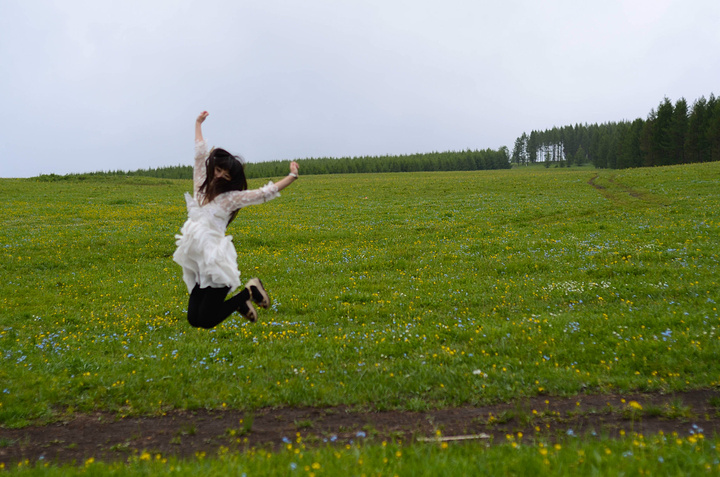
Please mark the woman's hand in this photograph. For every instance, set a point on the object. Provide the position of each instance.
(289, 179)
(198, 126)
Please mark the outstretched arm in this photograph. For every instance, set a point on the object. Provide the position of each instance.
(289, 179)
(198, 126)
(235, 200)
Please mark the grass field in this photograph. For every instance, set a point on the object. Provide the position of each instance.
(391, 291)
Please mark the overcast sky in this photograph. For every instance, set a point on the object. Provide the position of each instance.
(104, 85)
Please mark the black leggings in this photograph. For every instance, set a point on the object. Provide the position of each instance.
(208, 308)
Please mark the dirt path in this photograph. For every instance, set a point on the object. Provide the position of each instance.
(185, 433)
(617, 192)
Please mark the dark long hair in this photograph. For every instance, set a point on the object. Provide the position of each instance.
(213, 187)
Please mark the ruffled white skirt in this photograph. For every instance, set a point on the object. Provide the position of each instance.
(206, 255)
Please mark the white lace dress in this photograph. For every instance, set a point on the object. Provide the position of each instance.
(205, 253)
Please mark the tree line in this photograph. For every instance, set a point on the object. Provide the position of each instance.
(671, 134)
(468, 160)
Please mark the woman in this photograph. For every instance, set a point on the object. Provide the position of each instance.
(205, 253)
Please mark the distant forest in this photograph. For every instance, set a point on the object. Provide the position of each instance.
(672, 134)
(468, 160)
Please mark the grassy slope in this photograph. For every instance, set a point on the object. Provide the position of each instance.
(392, 290)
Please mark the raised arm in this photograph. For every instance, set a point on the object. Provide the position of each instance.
(198, 126)
(201, 153)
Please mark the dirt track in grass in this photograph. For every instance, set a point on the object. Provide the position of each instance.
(107, 437)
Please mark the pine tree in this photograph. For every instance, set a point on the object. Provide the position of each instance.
(662, 133)
(678, 131)
(695, 138)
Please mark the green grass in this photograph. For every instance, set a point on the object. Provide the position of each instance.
(635, 455)
(402, 291)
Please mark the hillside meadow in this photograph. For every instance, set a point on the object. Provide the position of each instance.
(390, 291)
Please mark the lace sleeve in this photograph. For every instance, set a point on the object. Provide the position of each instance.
(237, 199)
(201, 153)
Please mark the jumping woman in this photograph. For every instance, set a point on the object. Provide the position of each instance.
(205, 253)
